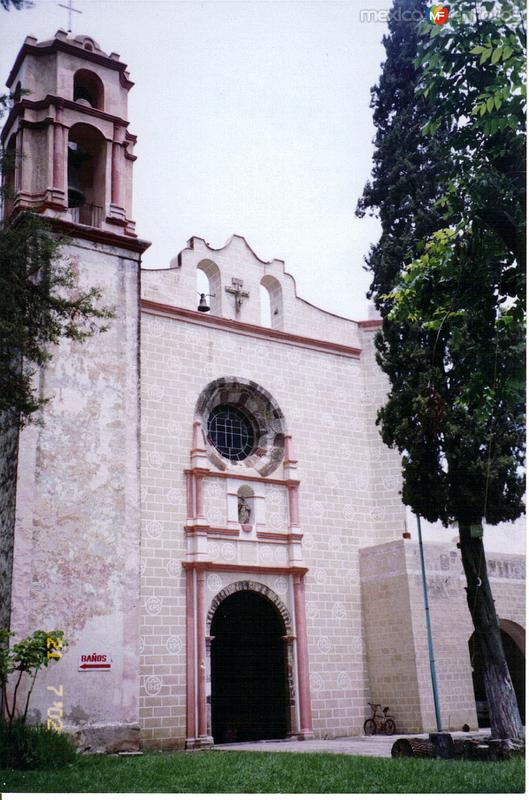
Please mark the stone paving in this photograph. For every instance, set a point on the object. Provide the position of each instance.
(378, 745)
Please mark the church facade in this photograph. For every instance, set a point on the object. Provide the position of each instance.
(208, 510)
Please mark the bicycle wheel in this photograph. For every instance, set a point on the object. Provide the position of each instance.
(370, 727)
(389, 726)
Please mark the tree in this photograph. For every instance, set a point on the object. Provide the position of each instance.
(7, 5)
(40, 303)
(452, 339)
(27, 657)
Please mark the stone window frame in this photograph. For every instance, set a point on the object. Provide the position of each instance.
(265, 413)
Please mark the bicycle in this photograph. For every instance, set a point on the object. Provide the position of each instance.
(379, 722)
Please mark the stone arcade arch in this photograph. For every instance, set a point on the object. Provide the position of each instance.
(513, 639)
(250, 664)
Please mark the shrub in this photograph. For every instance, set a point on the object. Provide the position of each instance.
(34, 747)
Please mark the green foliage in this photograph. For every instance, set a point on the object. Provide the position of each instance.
(407, 165)
(25, 658)
(41, 301)
(271, 773)
(452, 297)
(32, 747)
(7, 5)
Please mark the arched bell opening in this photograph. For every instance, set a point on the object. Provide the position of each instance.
(513, 640)
(209, 287)
(86, 174)
(271, 300)
(249, 670)
(88, 89)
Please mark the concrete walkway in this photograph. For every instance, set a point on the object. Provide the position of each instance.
(378, 745)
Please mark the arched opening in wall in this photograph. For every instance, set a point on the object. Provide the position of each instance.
(88, 89)
(245, 508)
(513, 640)
(271, 299)
(86, 174)
(209, 283)
(249, 688)
(9, 177)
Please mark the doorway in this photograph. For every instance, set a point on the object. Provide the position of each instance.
(249, 689)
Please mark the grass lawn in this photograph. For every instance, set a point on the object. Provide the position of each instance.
(267, 772)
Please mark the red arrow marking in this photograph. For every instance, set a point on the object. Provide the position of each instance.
(95, 666)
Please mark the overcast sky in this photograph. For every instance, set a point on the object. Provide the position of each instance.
(252, 118)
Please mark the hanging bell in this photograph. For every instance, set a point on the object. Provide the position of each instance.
(203, 304)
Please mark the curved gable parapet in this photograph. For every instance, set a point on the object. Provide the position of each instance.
(237, 277)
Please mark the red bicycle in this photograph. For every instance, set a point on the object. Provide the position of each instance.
(379, 722)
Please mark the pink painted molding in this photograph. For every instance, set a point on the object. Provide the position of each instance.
(268, 536)
(305, 708)
(370, 324)
(273, 536)
(190, 657)
(195, 530)
(210, 473)
(247, 329)
(212, 566)
(71, 49)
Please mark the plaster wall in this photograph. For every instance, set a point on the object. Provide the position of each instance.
(76, 558)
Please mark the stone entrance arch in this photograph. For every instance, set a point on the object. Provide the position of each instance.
(250, 586)
(249, 668)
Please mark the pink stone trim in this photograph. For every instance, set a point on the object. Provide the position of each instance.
(189, 496)
(289, 450)
(211, 473)
(213, 566)
(199, 502)
(115, 181)
(196, 443)
(201, 654)
(305, 710)
(293, 506)
(246, 329)
(190, 655)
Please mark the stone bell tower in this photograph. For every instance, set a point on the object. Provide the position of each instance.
(76, 536)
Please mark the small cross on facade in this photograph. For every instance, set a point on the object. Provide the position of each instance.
(70, 9)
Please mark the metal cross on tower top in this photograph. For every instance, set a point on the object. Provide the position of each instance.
(70, 9)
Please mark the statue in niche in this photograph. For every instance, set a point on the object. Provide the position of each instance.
(245, 512)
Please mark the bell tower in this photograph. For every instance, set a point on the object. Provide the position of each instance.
(75, 543)
(69, 134)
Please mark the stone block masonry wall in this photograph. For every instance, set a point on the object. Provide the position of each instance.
(391, 656)
(76, 558)
(391, 579)
(322, 397)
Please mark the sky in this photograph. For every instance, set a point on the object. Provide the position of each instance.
(252, 118)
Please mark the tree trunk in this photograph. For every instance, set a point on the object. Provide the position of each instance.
(9, 432)
(503, 708)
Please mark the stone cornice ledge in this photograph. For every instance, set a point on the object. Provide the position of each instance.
(212, 566)
(246, 329)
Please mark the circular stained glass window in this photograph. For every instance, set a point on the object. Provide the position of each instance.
(231, 432)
